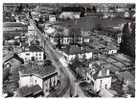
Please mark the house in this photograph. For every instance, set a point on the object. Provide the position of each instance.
(100, 77)
(86, 35)
(32, 53)
(35, 15)
(44, 76)
(75, 50)
(11, 29)
(71, 13)
(52, 18)
(14, 26)
(102, 80)
(31, 33)
(12, 60)
(72, 36)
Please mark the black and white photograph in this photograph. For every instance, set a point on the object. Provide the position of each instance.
(68, 50)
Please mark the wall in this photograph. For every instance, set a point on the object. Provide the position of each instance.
(51, 82)
(38, 56)
(112, 51)
(30, 80)
(105, 81)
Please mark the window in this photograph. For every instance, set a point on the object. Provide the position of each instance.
(39, 54)
(35, 81)
(100, 83)
(27, 53)
(105, 86)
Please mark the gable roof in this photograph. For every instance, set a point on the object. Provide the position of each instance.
(35, 48)
(13, 55)
(41, 71)
(101, 73)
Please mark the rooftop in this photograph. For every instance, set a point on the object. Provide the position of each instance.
(38, 70)
(34, 48)
(13, 24)
(77, 50)
(11, 56)
(73, 9)
(101, 73)
(27, 91)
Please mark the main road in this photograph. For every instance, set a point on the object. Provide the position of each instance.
(64, 77)
(67, 78)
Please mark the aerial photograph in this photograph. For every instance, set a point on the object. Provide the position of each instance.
(68, 50)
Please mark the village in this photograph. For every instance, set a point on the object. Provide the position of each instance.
(74, 50)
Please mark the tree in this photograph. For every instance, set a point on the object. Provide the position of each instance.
(127, 45)
(48, 62)
(94, 9)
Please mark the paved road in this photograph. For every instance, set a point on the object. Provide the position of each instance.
(65, 78)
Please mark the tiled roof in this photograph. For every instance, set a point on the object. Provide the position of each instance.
(77, 50)
(35, 48)
(27, 91)
(103, 72)
(11, 56)
(38, 70)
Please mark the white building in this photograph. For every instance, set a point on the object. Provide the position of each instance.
(103, 80)
(100, 77)
(74, 51)
(31, 33)
(52, 18)
(44, 76)
(32, 53)
(70, 15)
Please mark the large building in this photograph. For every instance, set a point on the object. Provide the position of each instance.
(33, 53)
(44, 76)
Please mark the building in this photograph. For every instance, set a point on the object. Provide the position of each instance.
(12, 60)
(100, 77)
(44, 76)
(11, 29)
(14, 26)
(35, 15)
(70, 13)
(74, 50)
(32, 53)
(52, 18)
(71, 36)
(31, 34)
(102, 80)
